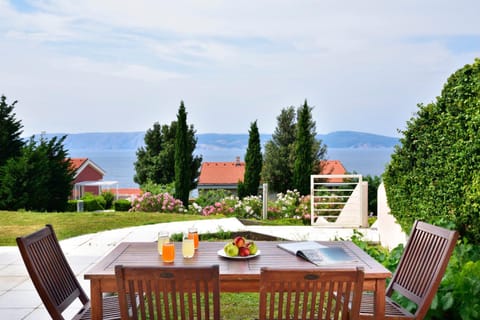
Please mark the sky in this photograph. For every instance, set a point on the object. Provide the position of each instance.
(114, 65)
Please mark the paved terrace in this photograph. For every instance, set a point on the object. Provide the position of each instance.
(19, 299)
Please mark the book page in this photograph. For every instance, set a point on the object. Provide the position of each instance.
(294, 247)
(332, 255)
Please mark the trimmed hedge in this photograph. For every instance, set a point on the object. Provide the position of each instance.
(434, 174)
(122, 205)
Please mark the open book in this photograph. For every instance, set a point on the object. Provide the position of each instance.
(316, 253)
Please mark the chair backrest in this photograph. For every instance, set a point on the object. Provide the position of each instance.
(169, 292)
(50, 272)
(320, 293)
(422, 265)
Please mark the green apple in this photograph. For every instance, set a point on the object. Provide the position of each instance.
(231, 249)
(252, 247)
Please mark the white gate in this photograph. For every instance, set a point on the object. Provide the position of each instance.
(339, 200)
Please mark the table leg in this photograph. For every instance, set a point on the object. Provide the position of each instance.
(96, 300)
(380, 299)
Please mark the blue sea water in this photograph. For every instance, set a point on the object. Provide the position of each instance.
(119, 164)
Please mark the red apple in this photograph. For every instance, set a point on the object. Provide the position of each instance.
(239, 241)
(243, 251)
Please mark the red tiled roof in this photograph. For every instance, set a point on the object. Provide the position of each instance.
(332, 167)
(126, 191)
(77, 162)
(221, 172)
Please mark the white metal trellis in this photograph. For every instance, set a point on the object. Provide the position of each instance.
(339, 200)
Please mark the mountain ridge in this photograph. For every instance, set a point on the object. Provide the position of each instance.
(215, 141)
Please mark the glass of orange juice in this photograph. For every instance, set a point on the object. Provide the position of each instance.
(168, 252)
(193, 234)
(162, 237)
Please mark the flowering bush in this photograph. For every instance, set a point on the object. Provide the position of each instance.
(226, 206)
(163, 202)
(249, 207)
(303, 210)
(288, 205)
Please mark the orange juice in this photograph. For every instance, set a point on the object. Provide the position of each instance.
(162, 237)
(193, 234)
(168, 252)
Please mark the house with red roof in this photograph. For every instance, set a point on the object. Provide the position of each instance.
(88, 177)
(226, 175)
(221, 175)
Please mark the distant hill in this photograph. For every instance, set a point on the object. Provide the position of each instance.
(215, 141)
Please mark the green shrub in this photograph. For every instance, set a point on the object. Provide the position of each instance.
(93, 203)
(155, 188)
(122, 205)
(71, 206)
(433, 173)
(109, 198)
(459, 294)
(210, 197)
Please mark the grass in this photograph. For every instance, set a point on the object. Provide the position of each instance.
(240, 306)
(72, 224)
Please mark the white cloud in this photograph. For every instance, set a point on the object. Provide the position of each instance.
(363, 65)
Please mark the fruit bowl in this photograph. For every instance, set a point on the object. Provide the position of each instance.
(222, 253)
(239, 248)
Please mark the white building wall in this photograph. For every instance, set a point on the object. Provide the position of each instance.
(390, 232)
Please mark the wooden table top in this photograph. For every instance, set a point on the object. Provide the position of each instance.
(145, 254)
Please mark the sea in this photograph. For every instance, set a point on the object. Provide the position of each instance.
(119, 164)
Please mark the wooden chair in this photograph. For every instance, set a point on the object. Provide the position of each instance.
(419, 272)
(169, 292)
(320, 293)
(53, 277)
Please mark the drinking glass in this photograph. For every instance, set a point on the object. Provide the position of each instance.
(188, 247)
(162, 238)
(168, 249)
(193, 234)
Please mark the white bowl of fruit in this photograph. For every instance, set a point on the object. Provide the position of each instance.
(239, 248)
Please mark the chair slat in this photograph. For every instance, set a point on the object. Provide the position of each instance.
(419, 272)
(53, 277)
(320, 293)
(170, 292)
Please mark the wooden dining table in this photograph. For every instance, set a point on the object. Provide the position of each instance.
(236, 275)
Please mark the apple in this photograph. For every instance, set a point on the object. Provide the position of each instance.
(231, 249)
(252, 247)
(243, 251)
(239, 241)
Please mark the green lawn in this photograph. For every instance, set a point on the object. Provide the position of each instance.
(72, 224)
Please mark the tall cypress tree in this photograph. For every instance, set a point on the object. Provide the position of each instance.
(305, 161)
(253, 163)
(183, 158)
